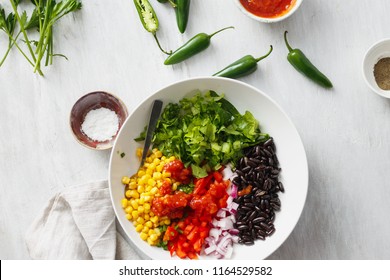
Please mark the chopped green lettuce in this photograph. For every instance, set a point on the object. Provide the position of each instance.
(206, 131)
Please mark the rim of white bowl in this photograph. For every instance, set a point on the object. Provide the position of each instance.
(268, 20)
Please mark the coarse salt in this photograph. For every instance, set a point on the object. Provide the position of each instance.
(100, 124)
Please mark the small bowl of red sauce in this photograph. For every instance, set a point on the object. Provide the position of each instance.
(268, 10)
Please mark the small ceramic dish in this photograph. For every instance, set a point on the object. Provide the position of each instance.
(93, 101)
(376, 52)
(279, 17)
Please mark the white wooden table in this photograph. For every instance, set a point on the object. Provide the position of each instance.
(345, 131)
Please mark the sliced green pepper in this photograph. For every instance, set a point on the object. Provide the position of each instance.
(149, 19)
(193, 46)
(182, 11)
(244, 66)
(301, 63)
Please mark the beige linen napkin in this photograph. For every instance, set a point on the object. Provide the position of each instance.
(78, 223)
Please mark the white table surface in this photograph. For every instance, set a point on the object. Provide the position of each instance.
(345, 131)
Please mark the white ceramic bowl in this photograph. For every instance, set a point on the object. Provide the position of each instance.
(377, 51)
(273, 120)
(294, 6)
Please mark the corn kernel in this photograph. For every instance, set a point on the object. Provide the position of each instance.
(141, 200)
(175, 185)
(128, 209)
(166, 174)
(133, 185)
(151, 231)
(129, 217)
(141, 209)
(157, 231)
(135, 214)
(145, 229)
(160, 167)
(154, 219)
(157, 175)
(125, 180)
(151, 182)
(140, 173)
(134, 204)
(128, 193)
(124, 202)
(167, 221)
(134, 194)
(147, 206)
(153, 237)
(140, 220)
(154, 190)
(140, 188)
(150, 241)
(138, 228)
(149, 224)
(143, 236)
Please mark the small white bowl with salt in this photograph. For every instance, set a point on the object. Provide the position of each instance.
(96, 118)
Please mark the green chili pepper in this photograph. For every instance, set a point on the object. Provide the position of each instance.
(301, 63)
(193, 46)
(244, 66)
(149, 19)
(170, 1)
(182, 11)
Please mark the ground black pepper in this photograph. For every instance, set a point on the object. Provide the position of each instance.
(382, 73)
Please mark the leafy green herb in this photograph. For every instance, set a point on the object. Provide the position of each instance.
(206, 132)
(187, 188)
(162, 244)
(45, 14)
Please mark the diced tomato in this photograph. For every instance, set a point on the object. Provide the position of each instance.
(200, 185)
(217, 176)
(170, 234)
(193, 234)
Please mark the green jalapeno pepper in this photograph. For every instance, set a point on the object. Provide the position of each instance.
(193, 46)
(244, 66)
(149, 19)
(301, 63)
(182, 11)
(170, 1)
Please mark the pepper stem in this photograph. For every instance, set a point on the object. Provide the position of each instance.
(211, 35)
(285, 40)
(264, 56)
(173, 4)
(158, 43)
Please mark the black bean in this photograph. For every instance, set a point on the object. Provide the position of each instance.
(258, 220)
(281, 187)
(243, 227)
(265, 226)
(271, 231)
(275, 206)
(268, 142)
(246, 169)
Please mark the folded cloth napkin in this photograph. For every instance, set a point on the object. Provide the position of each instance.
(78, 223)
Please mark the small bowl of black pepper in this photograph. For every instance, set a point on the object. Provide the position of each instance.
(376, 67)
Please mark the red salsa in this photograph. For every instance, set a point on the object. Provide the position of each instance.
(268, 8)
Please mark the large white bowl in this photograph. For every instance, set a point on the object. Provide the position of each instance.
(273, 120)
